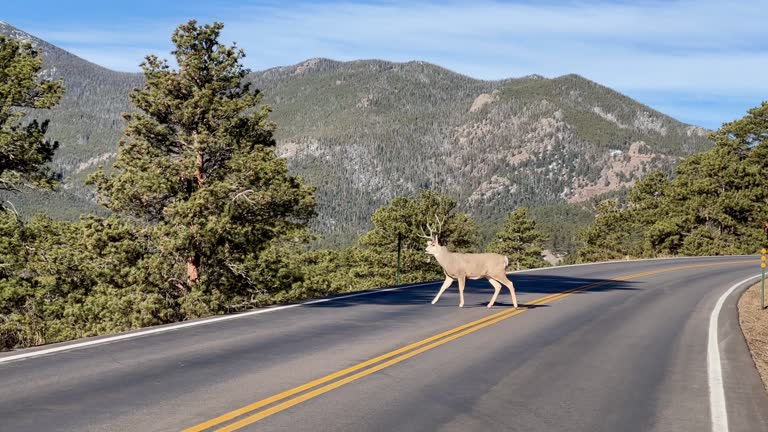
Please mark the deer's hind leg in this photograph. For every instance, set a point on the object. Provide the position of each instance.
(508, 283)
(448, 281)
(497, 289)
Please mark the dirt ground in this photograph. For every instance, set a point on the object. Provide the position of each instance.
(754, 323)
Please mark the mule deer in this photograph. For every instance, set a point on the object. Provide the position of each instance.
(461, 266)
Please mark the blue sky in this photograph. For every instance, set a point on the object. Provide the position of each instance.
(702, 61)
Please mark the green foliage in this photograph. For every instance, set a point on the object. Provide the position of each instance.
(715, 205)
(86, 122)
(520, 241)
(373, 262)
(62, 280)
(561, 224)
(327, 272)
(408, 217)
(24, 150)
(67, 206)
(607, 237)
(197, 162)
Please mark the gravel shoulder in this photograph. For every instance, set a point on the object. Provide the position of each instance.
(754, 323)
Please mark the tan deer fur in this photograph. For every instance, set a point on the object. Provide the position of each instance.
(463, 266)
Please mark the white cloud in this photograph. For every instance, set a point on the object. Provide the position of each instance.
(688, 46)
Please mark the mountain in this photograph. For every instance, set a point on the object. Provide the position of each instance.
(87, 123)
(365, 131)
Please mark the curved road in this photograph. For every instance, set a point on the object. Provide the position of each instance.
(605, 347)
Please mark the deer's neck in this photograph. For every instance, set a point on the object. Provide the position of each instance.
(443, 256)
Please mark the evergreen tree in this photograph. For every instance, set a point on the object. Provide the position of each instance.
(606, 238)
(198, 162)
(720, 197)
(24, 150)
(407, 217)
(62, 280)
(520, 240)
(716, 205)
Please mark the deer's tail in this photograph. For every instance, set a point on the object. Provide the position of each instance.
(506, 262)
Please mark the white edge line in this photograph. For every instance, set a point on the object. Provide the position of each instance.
(718, 410)
(171, 327)
(163, 329)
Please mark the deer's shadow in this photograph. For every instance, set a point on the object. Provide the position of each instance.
(478, 292)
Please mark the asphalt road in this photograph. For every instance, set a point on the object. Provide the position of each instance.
(629, 353)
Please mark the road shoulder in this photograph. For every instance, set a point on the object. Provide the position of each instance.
(754, 324)
(747, 400)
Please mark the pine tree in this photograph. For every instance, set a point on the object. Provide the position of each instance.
(520, 240)
(721, 196)
(607, 237)
(407, 217)
(198, 163)
(24, 150)
(716, 204)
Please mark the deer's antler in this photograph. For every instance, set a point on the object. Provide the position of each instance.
(434, 230)
(423, 234)
(439, 223)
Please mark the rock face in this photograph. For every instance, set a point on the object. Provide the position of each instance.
(366, 131)
(483, 100)
(619, 169)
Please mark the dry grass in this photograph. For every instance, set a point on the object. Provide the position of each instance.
(754, 324)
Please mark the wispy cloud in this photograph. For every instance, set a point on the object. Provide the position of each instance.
(679, 48)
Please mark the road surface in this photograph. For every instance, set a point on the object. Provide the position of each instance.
(623, 348)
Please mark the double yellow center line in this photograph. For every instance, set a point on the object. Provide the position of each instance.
(330, 382)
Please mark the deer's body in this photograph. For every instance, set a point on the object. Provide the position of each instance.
(463, 266)
(472, 266)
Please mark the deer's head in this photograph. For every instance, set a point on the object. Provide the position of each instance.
(433, 244)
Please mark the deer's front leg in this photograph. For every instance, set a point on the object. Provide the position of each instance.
(462, 281)
(448, 281)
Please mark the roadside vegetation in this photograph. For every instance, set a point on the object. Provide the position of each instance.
(206, 218)
(716, 203)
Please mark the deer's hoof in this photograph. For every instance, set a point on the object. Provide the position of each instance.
(490, 306)
(461, 305)
(434, 301)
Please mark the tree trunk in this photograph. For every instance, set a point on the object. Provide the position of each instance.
(199, 161)
(193, 262)
(199, 176)
(193, 269)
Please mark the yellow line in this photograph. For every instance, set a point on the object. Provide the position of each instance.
(297, 400)
(232, 414)
(240, 411)
(422, 346)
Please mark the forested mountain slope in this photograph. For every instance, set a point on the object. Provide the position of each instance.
(366, 131)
